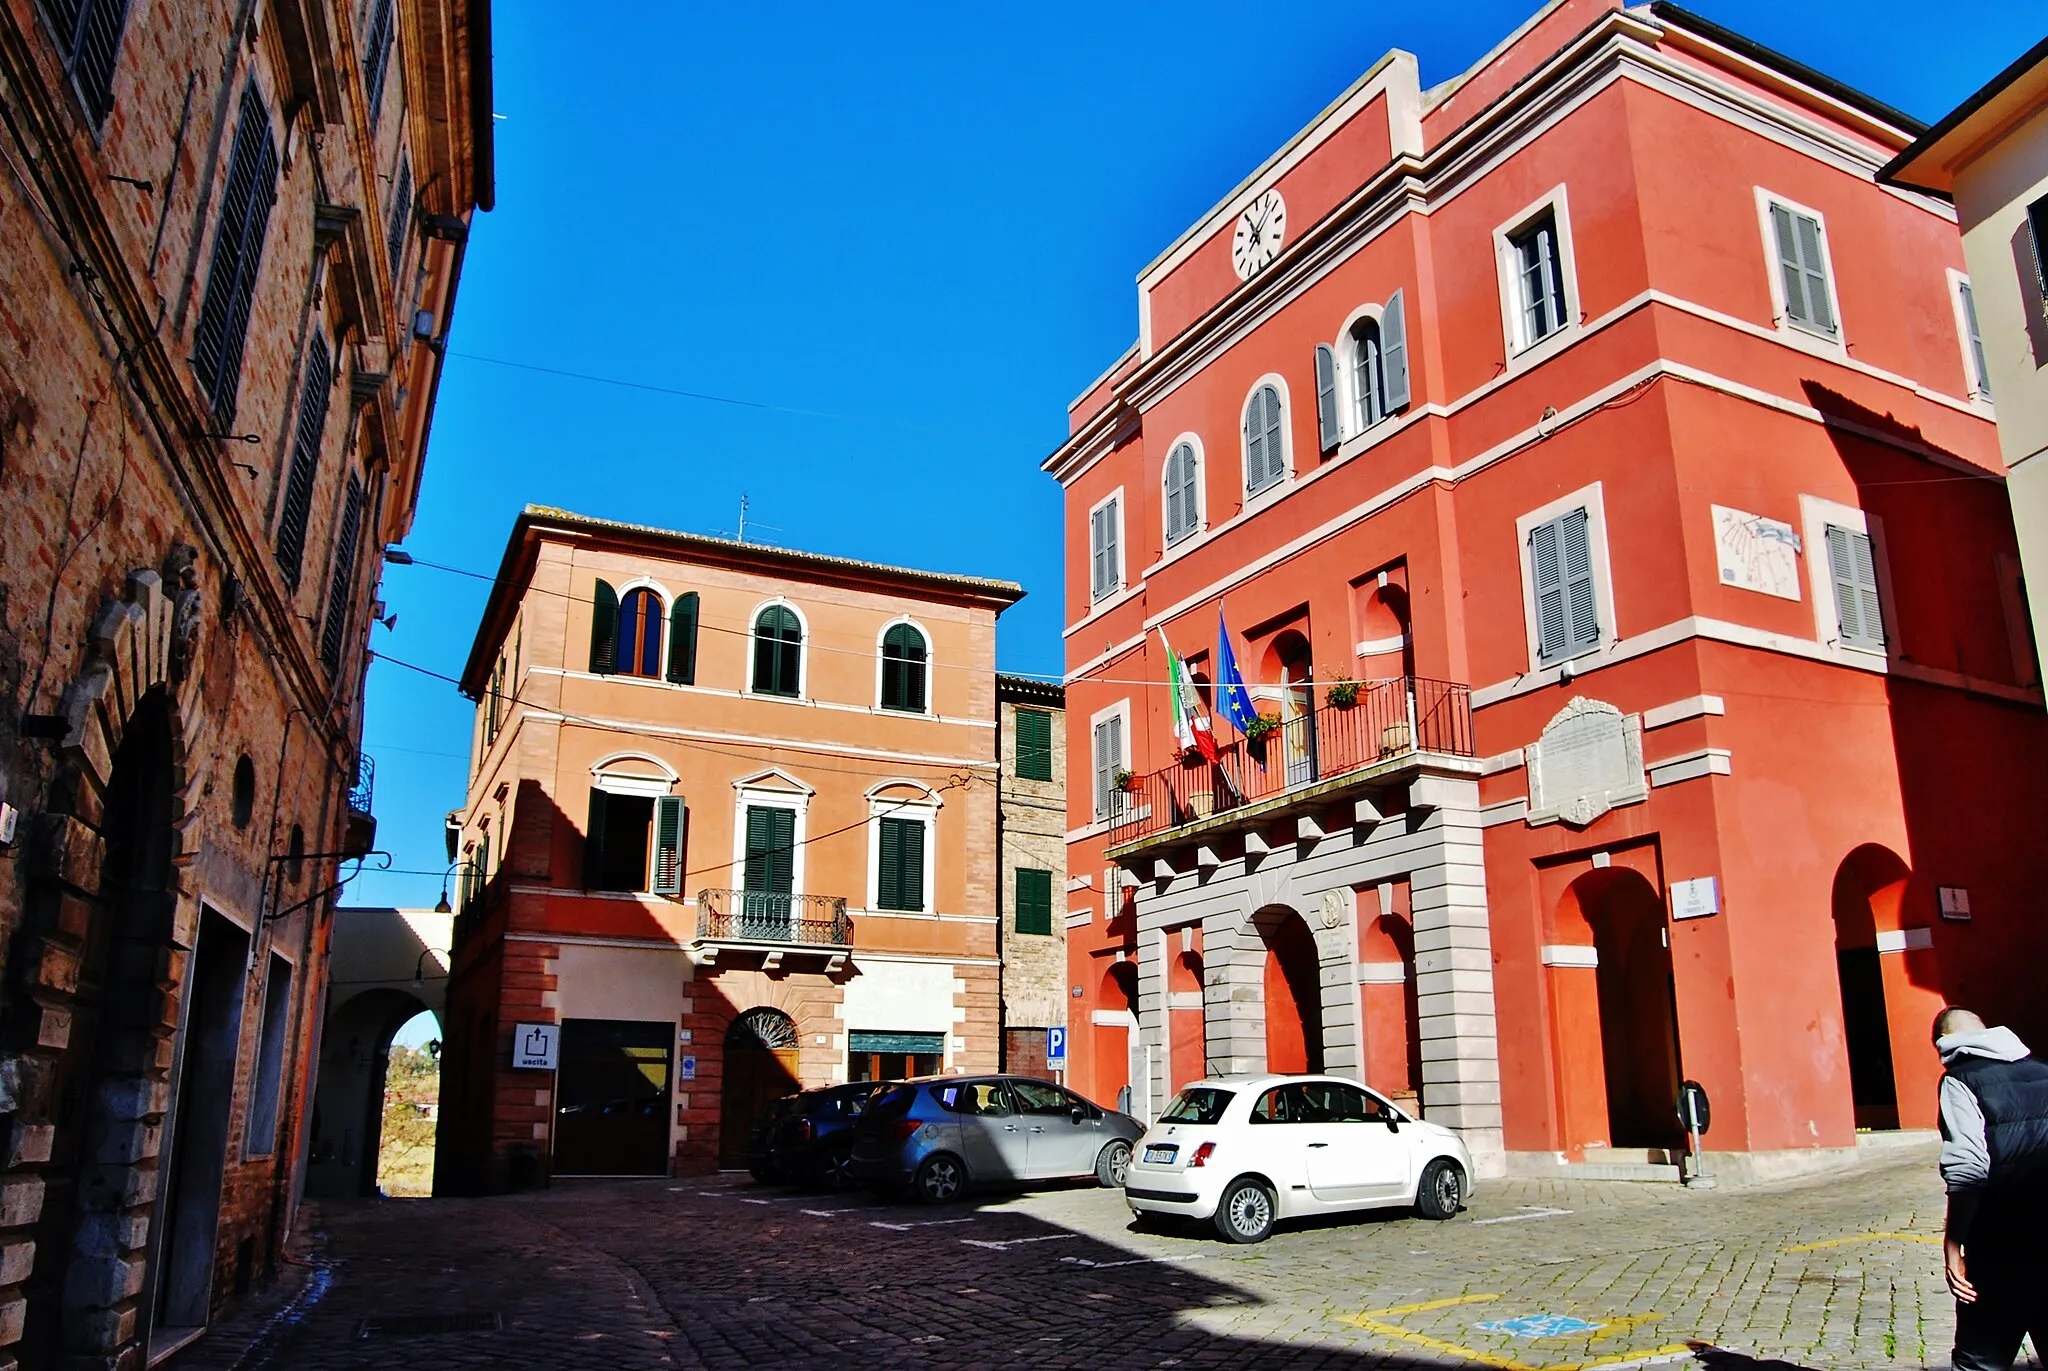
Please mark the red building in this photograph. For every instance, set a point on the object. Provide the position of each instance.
(1583, 455)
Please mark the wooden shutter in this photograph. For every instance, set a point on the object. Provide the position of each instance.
(899, 879)
(1815, 266)
(88, 38)
(1802, 268)
(1394, 351)
(1182, 510)
(593, 842)
(1098, 579)
(1034, 745)
(339, 589)
(1561, 580)
(1103, 533)
(298, 489)
(1980, 377)
(771, 849)
(377, 56)
(1326, 397)
(671, 822)
(1546, 583)
(1034, 900)
(1255, 442)
(1853, 569)
(604, 629)
(1575, 545)
(401, 218)
(223, 327)
(1105, 766)
(682, 639)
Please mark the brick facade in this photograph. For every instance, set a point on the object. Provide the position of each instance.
(1033, 816)
(183, 701)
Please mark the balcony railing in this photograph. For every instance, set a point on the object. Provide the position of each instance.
(360, 793)
(1386, 722)
(763, 916)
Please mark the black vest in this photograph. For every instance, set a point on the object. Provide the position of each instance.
(2012, 1218)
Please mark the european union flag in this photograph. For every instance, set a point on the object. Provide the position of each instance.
(1231, 697)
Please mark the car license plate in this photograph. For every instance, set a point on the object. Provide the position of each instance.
(1160, 1156)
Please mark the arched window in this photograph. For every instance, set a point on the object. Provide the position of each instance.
(1183, 509)
(1368, 376)
(1265, 457)
(640, 616)
(903, 668)
(778, 652)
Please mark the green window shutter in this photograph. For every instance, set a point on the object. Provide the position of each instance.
(1034, 745)
(593, 842)
(888, 866)
(671, 822)
(903, 669)
(682, 639)
(778, 652)
(771, 849)
(1853, 569)
(1034, 900)
(899, 880)
(604, 629)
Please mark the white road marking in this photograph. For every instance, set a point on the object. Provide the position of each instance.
(1006, 1245)
(915, 1223)
(1537, 1212)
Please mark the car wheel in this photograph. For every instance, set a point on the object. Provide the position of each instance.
(940, 1179)
(1245, 1213)
(1113, 1165)
(837, 1172)
(1443, 1186)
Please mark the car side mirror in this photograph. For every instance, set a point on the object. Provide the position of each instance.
(1079, 1113)
(1393, 1123)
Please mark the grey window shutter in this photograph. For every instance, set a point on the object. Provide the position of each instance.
(1561, 580)
(401, 218)
(222, 332)
(1255, 442)
(342, 584)
(1803, 269)
(604, 629)
(298, 490)
(1981, 376)
(682, 639)
(1789, 266)
(1853, 569)
(1112, 532)
(1326, 396)
(1098, 577)
(377, 56)
(670, 824)
(593, 842)
(1105, 766)
(1394, 351)
(1816, 272)
(1573, 544)
(1276, 454)
(2037, 229)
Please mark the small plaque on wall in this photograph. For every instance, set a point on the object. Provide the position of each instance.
(1955, 903)
(1696, 898)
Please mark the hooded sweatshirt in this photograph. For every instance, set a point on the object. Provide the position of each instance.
(1965, 1150)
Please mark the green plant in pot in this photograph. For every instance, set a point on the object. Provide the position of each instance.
(1342, 694)
(1261, 728)
(1124, 780)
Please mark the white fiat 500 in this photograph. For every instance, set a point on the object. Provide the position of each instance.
(1249, 1152)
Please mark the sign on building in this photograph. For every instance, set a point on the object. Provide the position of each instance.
(1696, 898)
(1589, 760)
(1056, 1047)
(533, 1046)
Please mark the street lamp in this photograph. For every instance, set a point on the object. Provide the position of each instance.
(442, 906)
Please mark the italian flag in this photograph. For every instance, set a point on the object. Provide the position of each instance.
(1190, 725)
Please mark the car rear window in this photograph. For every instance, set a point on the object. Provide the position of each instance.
(892, 1102)
(1199, 1104)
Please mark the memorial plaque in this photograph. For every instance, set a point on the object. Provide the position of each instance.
(1589, 760)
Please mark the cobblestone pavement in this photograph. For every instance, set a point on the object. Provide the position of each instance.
(1831, 1273)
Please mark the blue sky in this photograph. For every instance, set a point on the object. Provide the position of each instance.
(896, 240)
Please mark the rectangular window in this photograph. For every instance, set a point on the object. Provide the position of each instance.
(341, 590)
(1539, 279)
(615, 843)
(377, 56)
(298, 489)
(401, 219)
(88, 34)
(268, 1089)
(1973, 341)
(1853, 570)
(1802, 267)
(1109, 759)
(1561, 579)
(1034, 900)
(1034, 745)
(899, 882)
(223, 327)
(1104, 533)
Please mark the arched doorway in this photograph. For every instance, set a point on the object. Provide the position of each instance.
(1869, 888)
(1614, 1012)
(348, 1108)
(1393, 1037)
(1293, 989)
(1110, 1032)
(1187, 1036)
(760, 1065)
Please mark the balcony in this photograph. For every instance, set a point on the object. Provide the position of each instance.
(773, 924)
(361, 834)
(1389, 728)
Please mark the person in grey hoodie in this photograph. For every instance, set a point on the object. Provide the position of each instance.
(1994, 1161)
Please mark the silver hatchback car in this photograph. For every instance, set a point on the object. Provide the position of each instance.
(942, 1135)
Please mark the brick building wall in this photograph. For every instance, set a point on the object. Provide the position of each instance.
(178, 715)
(1032, 824)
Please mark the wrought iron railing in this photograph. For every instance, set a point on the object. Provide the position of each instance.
(360, 793)
(767, 916)
(1385, 721)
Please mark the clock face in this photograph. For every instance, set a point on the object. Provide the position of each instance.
(1260, 230)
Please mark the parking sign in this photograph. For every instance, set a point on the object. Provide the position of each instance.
(1055, 1047)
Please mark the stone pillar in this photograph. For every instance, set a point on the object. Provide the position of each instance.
(1234, 994)
(1454, 974)
(1333, 917)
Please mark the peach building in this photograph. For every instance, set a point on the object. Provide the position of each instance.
(731, 829)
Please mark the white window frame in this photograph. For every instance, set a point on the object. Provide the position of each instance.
(1815, 514)
(1977, 382)
(1244, 452)
(803, 657)
(747, 791)
(1120, 710)
(1521, 349)
(924, 811)
(605, 775)
(929, 662)
(1348, 399)
(1775, 271)
(667, 602)
(1593, 500)
(1123, 537)
(1166, 539)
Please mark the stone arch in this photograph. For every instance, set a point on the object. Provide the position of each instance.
(759, 1062)
(103, 953)
(1292, 990)
(348, 1122)
(1886, 967)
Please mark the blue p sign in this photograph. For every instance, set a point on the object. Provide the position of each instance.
(1056, 1046)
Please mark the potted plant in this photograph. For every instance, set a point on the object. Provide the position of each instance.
(1261, 728)
(1124, 781)
(1342, 694)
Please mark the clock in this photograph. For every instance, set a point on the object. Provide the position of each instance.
(1259, 232)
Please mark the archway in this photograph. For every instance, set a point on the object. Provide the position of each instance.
(1187, 1046)
(760, 1065)
(1869, 888)
(1110, 1032)
(348, 1108)
(1393, 1036)
(1293, 989)
(1614, 1014)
